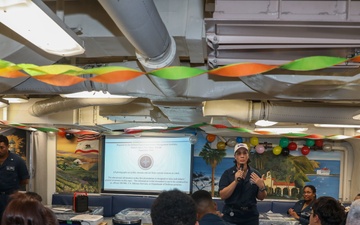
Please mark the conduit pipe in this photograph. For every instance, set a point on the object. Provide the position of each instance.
(58, 104)
(249, 111)
(142, 25)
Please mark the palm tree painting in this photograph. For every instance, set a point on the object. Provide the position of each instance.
(212, 157)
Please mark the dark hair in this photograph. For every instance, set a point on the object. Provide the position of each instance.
(4, 139)
(203, 200)
(173, 208)
(23, 210)
(329, 210)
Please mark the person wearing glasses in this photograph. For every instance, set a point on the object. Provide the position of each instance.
(301, 210)
(13, 173)
(327, 210)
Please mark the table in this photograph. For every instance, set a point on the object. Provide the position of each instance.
(276, 219)
(65, 212)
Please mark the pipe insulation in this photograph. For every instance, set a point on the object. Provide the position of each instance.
(249, 111)
(58, 104)
(141, 24)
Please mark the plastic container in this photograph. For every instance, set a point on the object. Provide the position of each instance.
(134, 214)
(116, 221)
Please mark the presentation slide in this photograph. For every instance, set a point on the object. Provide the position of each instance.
(147, 164)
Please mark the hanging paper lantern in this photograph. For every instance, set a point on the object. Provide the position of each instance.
(285, 152)
(327, 148)
(61, 133)
(277, 150)
(260, 149)
(193, 139)
(254, 141)
(239, 140)
(305, 150)
(231, 142)
(284, 142)
(319, 143)
(69, 136)
(310, 142)
(210, 138)
(221, 145)
(292, 146)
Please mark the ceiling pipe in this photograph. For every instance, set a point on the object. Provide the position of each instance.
(59, 104)
(313, 113)
(142, 25)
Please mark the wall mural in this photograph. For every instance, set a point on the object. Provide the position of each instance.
(77, 160)
(286, 165)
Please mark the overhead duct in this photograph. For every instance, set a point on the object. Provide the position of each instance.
(249, 111)
(141, 24)
(58, 104)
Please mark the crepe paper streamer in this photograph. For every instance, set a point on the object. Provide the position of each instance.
(242, 69)
(337, 137)
(313, 63)
(116, 77)
(113, 74)
(46, 129)
(177, 72)
(59, 80)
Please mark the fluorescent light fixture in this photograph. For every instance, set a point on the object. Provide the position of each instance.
(34, 21)
(283, 130)
(265, 123)
(337, 125)
(14, 99)
(147, 128)
(93, 94)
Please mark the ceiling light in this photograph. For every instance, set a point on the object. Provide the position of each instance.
(265, 123)
(93, 94)
(283, 130)
(337, 125)
(34, 21)
(16, 99)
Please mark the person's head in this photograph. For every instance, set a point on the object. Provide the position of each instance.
(309, 192)
(327, 211)
(353, 217)
(173, 208)
(241, 153)
(23, 210)
(34, 195)
(357, 197)
(4, 146)
(204, 203)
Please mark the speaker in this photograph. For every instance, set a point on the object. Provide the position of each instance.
(80, 202)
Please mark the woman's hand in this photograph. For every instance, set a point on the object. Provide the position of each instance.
(259, 181)
(293, 213)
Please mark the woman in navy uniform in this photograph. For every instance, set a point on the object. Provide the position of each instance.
(240, 186)
(302, 209)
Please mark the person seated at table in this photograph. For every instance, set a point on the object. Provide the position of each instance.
(301, 210)
(207, 213)
(327, 210)
(173, 208)
(353, 216)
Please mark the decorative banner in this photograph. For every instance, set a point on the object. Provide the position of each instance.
(67, 75)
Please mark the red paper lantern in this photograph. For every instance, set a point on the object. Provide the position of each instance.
(305, 150)
(292, 146)
(210, 138)
(319, 143)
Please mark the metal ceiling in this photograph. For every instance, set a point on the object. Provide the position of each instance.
(207, 34)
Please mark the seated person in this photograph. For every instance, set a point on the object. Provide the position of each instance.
(353, 216)
(327, 210)
(301, 210)
(207, 213)
(173, 208)
(25, 210)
